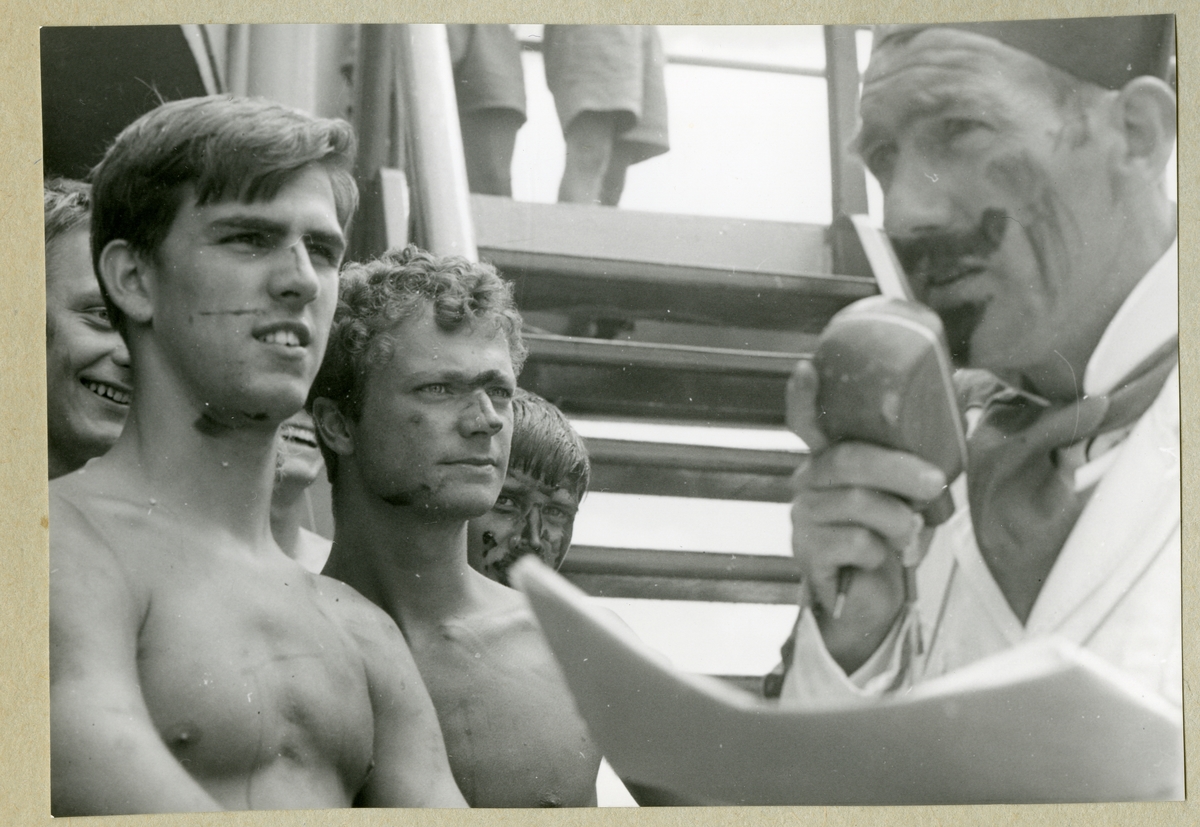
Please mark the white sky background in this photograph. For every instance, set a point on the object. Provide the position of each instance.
(745, 144)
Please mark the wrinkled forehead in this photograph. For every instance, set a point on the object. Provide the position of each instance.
(471, 349)
(918, 72)
(1104, 51)
(906, 50)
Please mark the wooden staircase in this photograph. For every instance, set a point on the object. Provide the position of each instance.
(689, 279)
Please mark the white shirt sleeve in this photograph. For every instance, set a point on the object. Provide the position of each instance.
(815, 679)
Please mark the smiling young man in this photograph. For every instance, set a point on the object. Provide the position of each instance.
(413, 407)
(298, 464)
(87, 364)
(548, 473)
(193, 665)
(1022, 166)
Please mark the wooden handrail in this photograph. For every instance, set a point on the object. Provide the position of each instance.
(673, 268)
(642, 379)
(700, 565)
(682, 575)
(569, 350)
(692, 457)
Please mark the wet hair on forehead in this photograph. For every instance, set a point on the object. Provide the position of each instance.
(377, 296)
(68, 206)
(219, 148)
(545, 446)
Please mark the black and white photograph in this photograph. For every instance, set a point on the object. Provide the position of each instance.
(564, 415)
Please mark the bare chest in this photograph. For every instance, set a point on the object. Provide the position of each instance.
(512, 732)
(247, 676)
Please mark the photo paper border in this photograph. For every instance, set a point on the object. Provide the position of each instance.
(24, 704)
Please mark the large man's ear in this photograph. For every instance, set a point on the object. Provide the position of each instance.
(1148, 114)
(126, 277)
(334, 427)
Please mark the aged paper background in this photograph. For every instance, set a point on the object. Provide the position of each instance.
(24, 742)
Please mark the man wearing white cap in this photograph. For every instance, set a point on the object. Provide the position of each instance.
(1022, 166)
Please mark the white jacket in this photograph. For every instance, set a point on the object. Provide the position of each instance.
(1115, 588)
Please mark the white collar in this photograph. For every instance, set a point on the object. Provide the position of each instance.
(1148, 319)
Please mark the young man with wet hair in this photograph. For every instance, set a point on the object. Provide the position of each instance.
(87, 363)
(1022, 167)
(413, 407)
(548, 473)
(193, 665)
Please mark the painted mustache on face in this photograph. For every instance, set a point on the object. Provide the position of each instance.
(937, 259)
(497, 558)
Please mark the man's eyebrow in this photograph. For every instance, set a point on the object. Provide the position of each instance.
(88, 299)
(249, 222)
(273, 227)
(554, 489)
(548, 489)
(929, 104)
(336, 240)
(462, 377)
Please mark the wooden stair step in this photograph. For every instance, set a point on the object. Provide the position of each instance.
(697, 269)
(641, 379)
(683, 575)
(679, 470)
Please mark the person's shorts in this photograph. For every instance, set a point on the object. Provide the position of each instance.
(610, 69)
(487, 67)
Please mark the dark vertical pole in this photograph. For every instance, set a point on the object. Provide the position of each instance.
(375, 125)
(372, 101)
(848, 177)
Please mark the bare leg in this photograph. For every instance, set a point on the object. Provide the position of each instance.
(614, 177)
(489, 136)
(590, 137)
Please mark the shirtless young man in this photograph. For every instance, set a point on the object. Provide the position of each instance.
(413, 408)
(87, 364)
(548, 474)
(298, 464)
(193, 666)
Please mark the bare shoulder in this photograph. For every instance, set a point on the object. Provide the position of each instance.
(505, 624)
(357, 615)
(508, 610)
(82, 543)
(86, 505)
(71, 499)
(378, 637)
(411, 768)
(97, 598)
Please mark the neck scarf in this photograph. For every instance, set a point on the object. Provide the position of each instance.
(1022, 459)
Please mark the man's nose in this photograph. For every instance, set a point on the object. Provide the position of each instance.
(120, 352)
(919, 198)
(295, 279)
(481, 416)
(531, 533)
